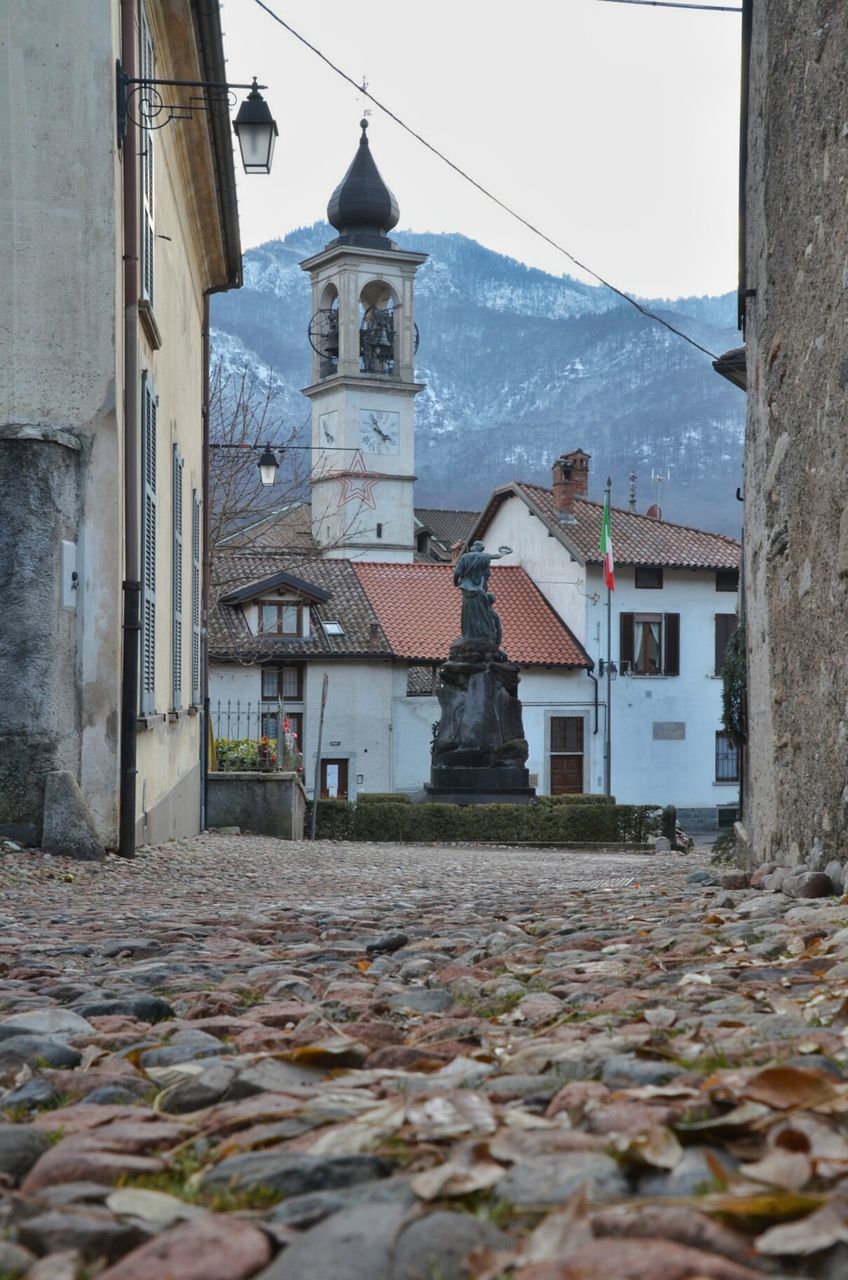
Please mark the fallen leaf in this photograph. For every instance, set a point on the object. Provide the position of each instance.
(334, 1051)
(658, 1148)
(469, 1169)
(638, 1259)
(660, 1017)
(451, 1114)
(738, 1118)
(769, 1206)
(789, 1169)
(695, 979)
(559, 1234)
(785, 1087)
(817, 1231)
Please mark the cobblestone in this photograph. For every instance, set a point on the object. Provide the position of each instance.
(253, 1050)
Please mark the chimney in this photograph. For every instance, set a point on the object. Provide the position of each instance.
(570, 481)
(375, 636)
(456, 551)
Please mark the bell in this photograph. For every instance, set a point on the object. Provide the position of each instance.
(331, 345)
(383, 345)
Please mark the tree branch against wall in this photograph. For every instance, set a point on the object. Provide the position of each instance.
(735, 688)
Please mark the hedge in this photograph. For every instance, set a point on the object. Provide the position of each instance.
(382, 797)
(398, 820)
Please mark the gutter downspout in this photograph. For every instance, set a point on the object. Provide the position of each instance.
(131, 625)
(594, 680)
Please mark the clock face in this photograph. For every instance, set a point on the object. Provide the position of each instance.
(327, 427)
(379, 430)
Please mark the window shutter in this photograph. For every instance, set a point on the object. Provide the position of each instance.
(148, 547)
(195, 599)
(725, 625)
(147, 62)
(625, 644)
(671, 647)
(177, 583)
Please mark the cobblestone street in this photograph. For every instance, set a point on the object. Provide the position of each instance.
(235, 1058)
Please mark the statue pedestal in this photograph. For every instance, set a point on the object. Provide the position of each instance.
(479, 752)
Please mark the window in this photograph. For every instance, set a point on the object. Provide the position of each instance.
(726, 759)
(650, 643)
(279, 618)
(283, 683)
(566, 755)
(149, 410)
(332, 628)
(292, 728)
(727, 579)
(725, 625)
(379, 529)
(177, 580)
(649, 577)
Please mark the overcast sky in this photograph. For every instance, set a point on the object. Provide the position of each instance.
(612, 127)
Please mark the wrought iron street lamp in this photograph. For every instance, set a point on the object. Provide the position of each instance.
(139, 100)
(256, 131)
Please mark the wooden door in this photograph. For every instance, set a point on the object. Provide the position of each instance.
(334, 779)
(566, 755)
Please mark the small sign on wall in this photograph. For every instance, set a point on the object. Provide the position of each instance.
(669, 730)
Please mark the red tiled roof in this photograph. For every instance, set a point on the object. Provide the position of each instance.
(636, 539)
(418, 608)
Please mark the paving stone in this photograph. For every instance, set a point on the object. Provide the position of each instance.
(91, 1232)
(357, 1244)
(14, 1260)
(31, 1050)
(32, 1095)
(550, 1180)
(305, 1211)
(438, 1244)
(48, 1022)
(294, 1174)
(212, 1247)
(20, 1148)
(145, 1008)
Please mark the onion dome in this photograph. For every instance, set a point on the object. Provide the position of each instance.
(362, 208)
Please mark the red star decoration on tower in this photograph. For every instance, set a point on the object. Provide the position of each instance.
(356, 483)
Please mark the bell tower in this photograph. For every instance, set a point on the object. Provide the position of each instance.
(364, 338)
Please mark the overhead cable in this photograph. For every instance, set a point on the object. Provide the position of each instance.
(361, 88)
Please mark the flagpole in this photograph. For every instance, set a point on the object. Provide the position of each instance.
(608, 744)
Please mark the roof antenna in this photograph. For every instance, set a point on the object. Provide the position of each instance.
(631, 493)
(657, 478)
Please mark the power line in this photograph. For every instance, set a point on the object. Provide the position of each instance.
(361, 88)
(678, 4)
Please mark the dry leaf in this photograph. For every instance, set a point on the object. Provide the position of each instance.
(789, 1169)
(469, 1169)
(451, 1114)
(658, 1148)
(769, 1206)
(559, 1234)
(695, 979)
(738, 1118)
(333, 1051)
(818, 1231)
(785, 1087)
(660, 1017)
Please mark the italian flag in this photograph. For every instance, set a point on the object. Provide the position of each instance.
(606, 546)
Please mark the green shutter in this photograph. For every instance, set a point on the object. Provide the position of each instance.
(196, 691)
(671, 645)
(177, 583)
(148, 546)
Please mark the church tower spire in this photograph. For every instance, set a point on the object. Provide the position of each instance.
(363, 338)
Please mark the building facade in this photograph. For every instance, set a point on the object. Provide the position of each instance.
(111, 239)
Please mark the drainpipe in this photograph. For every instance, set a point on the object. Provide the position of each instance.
(131, 626)
(594, 680)
(206, 566)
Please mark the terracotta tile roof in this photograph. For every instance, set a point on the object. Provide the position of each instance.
(447, 526)
(636, 539)
(230, 637)
(418, 608)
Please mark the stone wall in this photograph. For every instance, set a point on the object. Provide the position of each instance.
(265, 804)
(796, 458)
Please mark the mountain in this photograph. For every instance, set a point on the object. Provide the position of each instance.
(521, 366)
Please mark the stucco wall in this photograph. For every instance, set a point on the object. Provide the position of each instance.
(59, 216)
(667, 769)
(796, 453)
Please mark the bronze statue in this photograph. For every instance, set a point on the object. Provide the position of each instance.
(471, 574)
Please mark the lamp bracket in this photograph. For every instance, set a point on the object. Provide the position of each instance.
(141, 103)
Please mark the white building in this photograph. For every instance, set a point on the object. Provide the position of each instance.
(672, 612)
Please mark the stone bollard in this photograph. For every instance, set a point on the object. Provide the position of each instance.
(668, 825)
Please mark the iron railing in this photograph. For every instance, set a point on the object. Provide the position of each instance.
(254, 737)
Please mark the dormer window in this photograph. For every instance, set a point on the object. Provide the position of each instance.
(280, 618)
(333, 628)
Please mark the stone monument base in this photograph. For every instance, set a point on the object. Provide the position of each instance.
(479, 750)
(465, 784)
